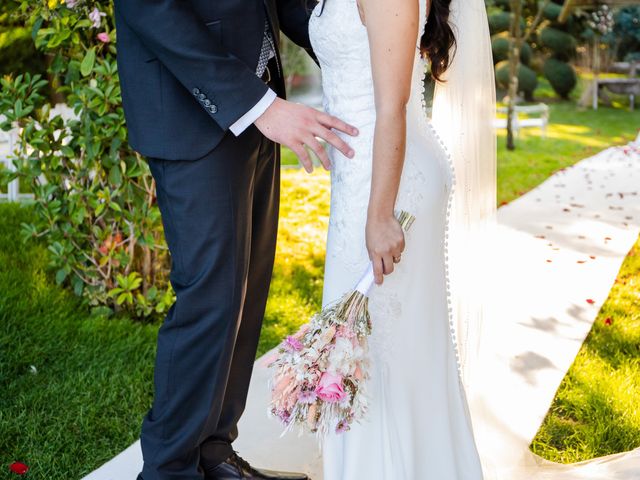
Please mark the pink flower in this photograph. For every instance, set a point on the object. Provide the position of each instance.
(293, 344)
(330, 388)
(104, 37)
(307, 396)
(96, 17)
(342, 426)
(72, 3)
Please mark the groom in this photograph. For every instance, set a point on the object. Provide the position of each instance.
(202, 88)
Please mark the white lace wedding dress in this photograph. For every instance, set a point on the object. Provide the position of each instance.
(418, 425)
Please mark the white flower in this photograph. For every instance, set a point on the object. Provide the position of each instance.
(342, 356)
(96, 17)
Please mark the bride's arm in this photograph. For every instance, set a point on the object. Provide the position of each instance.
(392, 27)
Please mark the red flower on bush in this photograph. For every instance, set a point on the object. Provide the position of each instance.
(19, 468)
(608, 321)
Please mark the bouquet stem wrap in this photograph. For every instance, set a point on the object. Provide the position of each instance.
(320, 373)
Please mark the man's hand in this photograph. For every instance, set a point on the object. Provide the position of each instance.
(296, 126)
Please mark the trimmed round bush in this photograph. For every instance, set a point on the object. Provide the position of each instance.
(500, 48)
(561, 43)
(552, 11)
(561, 76)
(499, 22)
(527, 79)
(503, 4)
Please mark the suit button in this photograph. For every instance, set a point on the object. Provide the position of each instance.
(213, 109)
(207, 102)
(202, 96)
(196, 91)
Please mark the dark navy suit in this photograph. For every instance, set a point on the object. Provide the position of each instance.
(187, 71)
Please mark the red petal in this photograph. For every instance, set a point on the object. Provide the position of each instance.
(590, 301)
(19, 468)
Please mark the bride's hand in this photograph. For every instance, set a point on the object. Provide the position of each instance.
(385, 243)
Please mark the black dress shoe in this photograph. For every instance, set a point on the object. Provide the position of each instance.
(236, 468)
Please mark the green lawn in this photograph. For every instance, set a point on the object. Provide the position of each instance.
(74, 388)
(93, 380)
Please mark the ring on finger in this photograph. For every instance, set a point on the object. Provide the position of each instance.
(397, 259)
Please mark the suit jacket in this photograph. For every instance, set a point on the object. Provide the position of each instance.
(187, 67)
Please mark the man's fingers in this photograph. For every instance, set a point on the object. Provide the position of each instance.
(319, 150)
(333, 122)
(336, 141)
(303, 157)
(378, 270)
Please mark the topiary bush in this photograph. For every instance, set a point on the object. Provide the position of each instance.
(500, 49)
(561, 43)
(499, 22)
(561, 76)
(527, 79)
(551, 11)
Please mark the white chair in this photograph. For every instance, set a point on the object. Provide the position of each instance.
(529, 120)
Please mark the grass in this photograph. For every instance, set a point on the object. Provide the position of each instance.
(296, 288)
(596, 411)
(74, 387)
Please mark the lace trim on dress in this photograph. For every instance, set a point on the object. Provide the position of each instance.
(452, 325)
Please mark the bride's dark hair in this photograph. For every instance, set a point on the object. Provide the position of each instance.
(438, 37)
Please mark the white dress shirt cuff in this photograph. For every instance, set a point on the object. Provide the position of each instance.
(252, 115)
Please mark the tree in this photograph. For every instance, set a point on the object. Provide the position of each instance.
(517, 36)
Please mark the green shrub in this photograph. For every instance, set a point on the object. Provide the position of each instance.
(527, 79)
(499, 22)
(500, 48)
(18, 53)
(560, 43)
(94, 196)
(626, 32)
(561, 76)
(552, 11)
(503, 4)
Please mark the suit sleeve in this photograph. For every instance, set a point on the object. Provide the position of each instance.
(223, 85)
(294, 22)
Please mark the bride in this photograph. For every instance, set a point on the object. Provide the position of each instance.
(373, 55)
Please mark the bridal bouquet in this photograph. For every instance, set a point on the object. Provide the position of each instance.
(320, 372)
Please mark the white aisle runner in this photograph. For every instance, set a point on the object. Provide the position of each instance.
(561, 246)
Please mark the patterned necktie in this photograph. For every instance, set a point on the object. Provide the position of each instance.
(268, 50)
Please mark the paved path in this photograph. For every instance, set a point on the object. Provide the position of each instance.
(561, 247)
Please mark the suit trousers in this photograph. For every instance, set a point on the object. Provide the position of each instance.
(220, 218)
